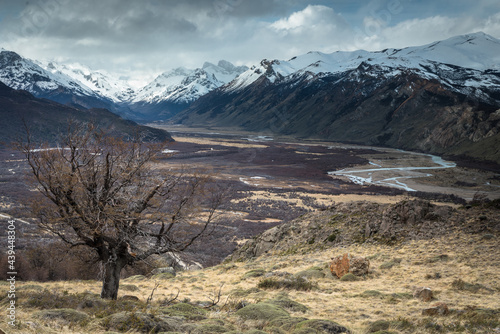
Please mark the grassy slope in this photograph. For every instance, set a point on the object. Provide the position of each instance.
(437, 263)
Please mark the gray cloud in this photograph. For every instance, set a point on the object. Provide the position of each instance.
(142, 38)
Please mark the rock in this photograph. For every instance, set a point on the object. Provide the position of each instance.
(424, 294)
(359, 266)
(343, 264)
(340, 265)
(436, 309)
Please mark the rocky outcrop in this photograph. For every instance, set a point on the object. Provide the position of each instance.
(343, 264)
(365, 222)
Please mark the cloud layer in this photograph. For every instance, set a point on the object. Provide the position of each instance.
(144, 38)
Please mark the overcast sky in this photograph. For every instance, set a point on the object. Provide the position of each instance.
(142, 38)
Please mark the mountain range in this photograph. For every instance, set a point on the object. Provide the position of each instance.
(80, 86)
(443, 97)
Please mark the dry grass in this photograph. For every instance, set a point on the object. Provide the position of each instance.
(382, 295)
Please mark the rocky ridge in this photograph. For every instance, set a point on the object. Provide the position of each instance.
(366, 222)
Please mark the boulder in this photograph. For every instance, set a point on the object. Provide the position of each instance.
(344, 264)
(359, 266)
(424, 294)
(340, 265)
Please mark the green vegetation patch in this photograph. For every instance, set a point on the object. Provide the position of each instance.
(254, 273)
(185, 310)
(349, 277)
(322, 326)
(390, 264)
(293, 283)
(163, 276)
(142, 322)
(135, 278)
(129, 287)
(464, 286)
(262, 311)
(371, 294)
(66, 314)
(285, 323)
(282, 300)
(209, 329)
(313, 272)
(378, 325)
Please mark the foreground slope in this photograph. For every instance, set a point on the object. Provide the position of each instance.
(457, 260)
(440, 98)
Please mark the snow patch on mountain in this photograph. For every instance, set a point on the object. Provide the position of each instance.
(99, 81)
(21, 73)
(477, 52)
(182, 85)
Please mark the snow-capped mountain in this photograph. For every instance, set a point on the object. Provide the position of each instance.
(99, 81)
(439, 97)
(22, 73)
(175, 90)
(79, 85)
(473, 53)
(182, 85)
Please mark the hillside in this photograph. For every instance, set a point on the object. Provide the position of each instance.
(454, 252)
(46, 119)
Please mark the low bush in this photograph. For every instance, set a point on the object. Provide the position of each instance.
(292, 283)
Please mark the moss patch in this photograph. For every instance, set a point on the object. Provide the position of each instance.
(185, 310)
(69, 315)
(261, 311)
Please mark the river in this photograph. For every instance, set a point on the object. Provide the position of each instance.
(394, 176)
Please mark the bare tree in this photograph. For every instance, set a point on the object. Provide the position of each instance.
(109, 195)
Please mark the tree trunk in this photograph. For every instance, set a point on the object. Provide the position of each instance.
(111, 277)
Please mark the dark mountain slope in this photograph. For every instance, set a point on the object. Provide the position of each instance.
(47, 119)
(366, 105)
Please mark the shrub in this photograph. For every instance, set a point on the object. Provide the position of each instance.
(262, 311)
(314, 272)
(135, 278)
(129, 287)
(145, 323)
(293, 283)
(371, 293)
(390, 264)
(464, 286)
(378, 325)
(185, 310)
(68, 315)
(283, 301)
(254, 273)
(349, 277)
(321, 326)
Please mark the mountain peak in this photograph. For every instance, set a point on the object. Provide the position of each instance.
(226, 65)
